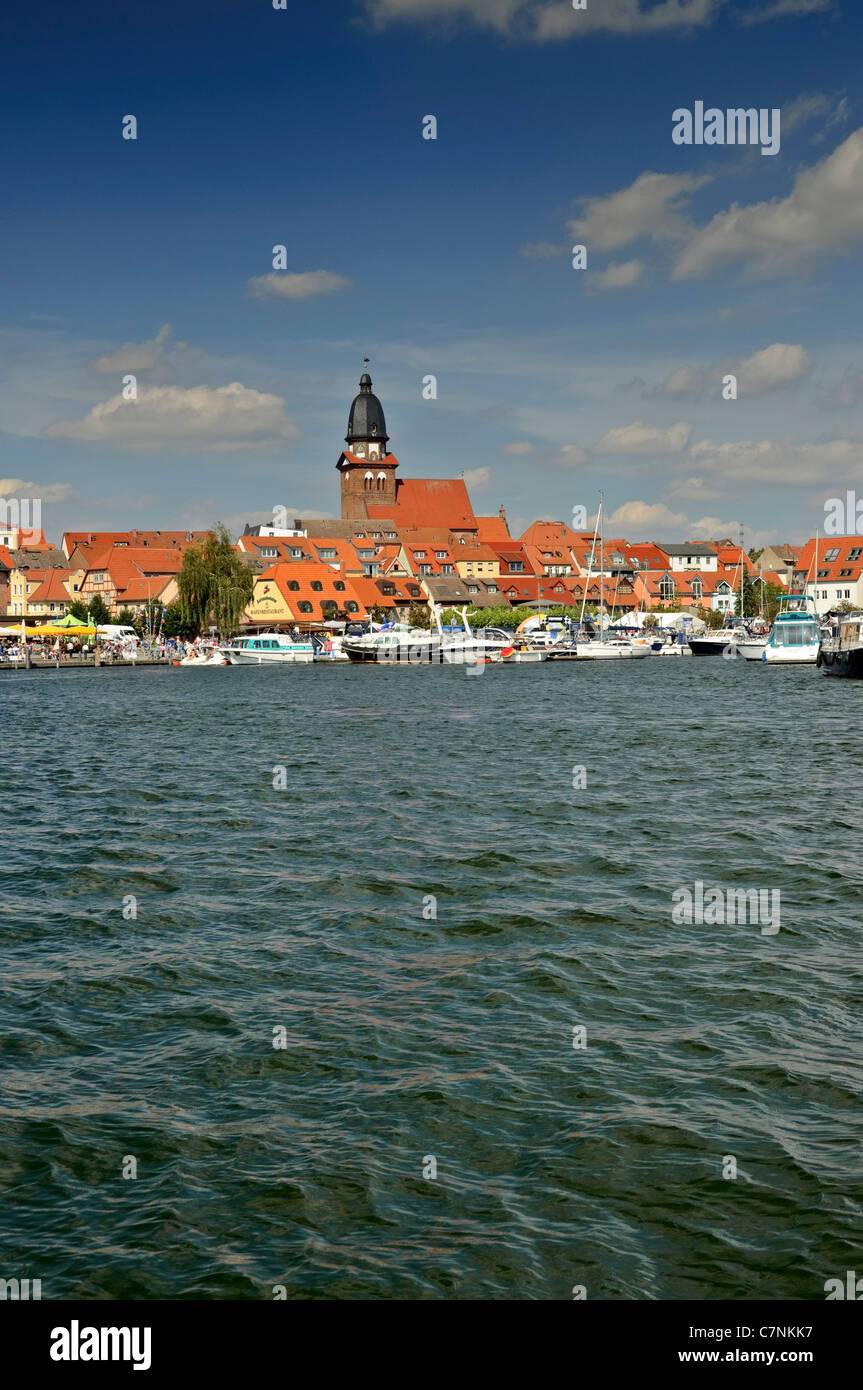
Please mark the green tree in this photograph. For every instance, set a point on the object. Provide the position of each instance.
(126, 617)
(215, 583)
(79, 610)
(98, 611)
(419, 615)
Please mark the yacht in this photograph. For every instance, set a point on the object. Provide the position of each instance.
(842, 648)
(266, 649)
(392, 642)
(795, 637)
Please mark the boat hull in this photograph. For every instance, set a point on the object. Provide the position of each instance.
(806, 655)
(843, 663)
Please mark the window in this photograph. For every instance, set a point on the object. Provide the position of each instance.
(339, 585)
(823, 574)
(368, 480)
(304, 606)
(391, 536)
(666, 587)
(697, 588)
(351, 607)
(296, 552)
(382, 481)
(317, 586)
(292, 584)
(446, 569)
(832, 553)
(845, 574)
(516, 567)
(98, 578)
(376, 535)
(427, 569)
(440, 554)
(269, 552)
(419, 554)
(492, 588)
(855, 553)
(328, 553)
(473, 588)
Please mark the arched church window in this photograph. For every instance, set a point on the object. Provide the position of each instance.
(368, 480)
(382, 481)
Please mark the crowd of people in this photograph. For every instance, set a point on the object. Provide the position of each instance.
(12, 649)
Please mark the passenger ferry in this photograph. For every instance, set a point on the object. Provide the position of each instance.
(265, 649)
(795, 637)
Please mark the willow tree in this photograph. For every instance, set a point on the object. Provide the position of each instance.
(215, 583)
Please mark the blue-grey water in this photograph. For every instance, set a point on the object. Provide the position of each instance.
(410, 1036)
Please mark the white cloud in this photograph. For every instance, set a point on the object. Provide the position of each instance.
(570, 455)
(43, 492)
(780, 364)
(783, 9)
(136, 357)
(781, 461)
(650, 207)
(694, 489)
(233, 416)
(619, 276)
(555, 19)
(644, 439)
(646, 518)
(477, 478)
(520, 447)
(823, 214)
(281, 284)
(774, 366)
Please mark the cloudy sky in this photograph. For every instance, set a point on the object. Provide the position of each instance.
(259, 127)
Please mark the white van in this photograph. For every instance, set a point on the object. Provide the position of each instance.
(117, 632)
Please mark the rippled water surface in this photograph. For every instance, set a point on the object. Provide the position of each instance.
(410, 1037)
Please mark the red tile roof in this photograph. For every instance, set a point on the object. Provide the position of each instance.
(428, 502)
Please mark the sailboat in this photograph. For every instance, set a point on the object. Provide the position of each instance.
(603, 648)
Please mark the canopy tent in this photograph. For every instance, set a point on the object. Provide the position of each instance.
(64, 627)
(10, 632)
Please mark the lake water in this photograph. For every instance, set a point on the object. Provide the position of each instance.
(411, 1037)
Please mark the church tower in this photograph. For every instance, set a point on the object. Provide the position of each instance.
(367, 468)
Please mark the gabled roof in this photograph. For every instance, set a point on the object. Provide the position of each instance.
(52, 588)
(830, 569)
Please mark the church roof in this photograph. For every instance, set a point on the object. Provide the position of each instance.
(366, 420)
(429, 502)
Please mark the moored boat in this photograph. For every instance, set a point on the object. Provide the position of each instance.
(841, 651)
(266, 649)
(795, 637)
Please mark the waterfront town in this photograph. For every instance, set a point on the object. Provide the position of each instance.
(404, 546)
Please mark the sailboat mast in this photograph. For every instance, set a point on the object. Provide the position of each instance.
(589, 566)
(741, 573)
(601, 563)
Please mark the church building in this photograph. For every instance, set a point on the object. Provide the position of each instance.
(373, 491)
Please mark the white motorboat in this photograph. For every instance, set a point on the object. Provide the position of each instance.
(396, 642)
(795, 638)
(267, 649)
(604, 649)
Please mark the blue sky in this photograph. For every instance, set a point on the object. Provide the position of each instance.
(302, 127)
